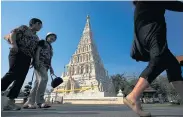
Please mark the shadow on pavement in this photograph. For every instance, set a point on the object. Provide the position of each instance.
(30, 114)
(167, 116)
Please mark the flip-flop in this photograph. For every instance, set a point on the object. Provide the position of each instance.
(44, 106)
(131, 105)
(29, 107)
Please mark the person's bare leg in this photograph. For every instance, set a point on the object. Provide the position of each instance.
(133, 99)
(141, 85)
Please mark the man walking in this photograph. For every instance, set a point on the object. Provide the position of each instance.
(23, 42)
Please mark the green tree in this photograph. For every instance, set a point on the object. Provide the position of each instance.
(162, 86)
(130, 84)
(119, 82)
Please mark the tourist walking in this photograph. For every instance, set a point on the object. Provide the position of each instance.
(23, 42)
(150, 45)
(42, 62)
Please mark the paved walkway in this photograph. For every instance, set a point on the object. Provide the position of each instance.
(67, 110)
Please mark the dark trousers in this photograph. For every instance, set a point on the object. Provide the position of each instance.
(153, 38)
(18, 68)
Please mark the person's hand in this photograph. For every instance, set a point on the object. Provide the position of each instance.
(51, 70)
(14, 48)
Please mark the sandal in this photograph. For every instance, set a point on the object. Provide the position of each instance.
(29, 106)
(132, 105)
(44, 105)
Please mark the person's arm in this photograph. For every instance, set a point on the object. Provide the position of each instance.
(174, 6)
(51, 55)
(36, 59)
(7, 38)
(13, 38)
(16, 33)
(51, 69)
(12, 41)
(41, 44)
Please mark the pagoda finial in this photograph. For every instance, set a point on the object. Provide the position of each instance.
(88, 17)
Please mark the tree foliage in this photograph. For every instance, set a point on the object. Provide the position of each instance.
(160, 84)
(119, 82)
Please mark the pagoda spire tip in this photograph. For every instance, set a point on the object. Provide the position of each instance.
(88, 17)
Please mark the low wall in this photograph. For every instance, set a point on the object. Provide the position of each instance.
(104, 100)
(110, 100)
(19, 101)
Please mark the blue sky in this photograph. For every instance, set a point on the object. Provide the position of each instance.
(112, 26)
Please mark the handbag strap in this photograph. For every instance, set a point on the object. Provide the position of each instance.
(52, 76)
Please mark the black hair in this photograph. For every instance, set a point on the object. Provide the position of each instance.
(34, 20)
